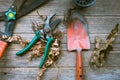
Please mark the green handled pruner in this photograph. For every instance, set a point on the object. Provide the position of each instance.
(43, 34)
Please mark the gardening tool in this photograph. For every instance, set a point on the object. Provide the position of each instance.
(45, 35)
(18, 9)
(83, 3)
(77, 39)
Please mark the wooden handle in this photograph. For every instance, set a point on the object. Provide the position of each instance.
(2, 48)
(79, 71)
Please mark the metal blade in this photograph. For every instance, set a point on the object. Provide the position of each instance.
(29, 6)
(54, 24)
(77, 37)
(76, 14)
(77, 33)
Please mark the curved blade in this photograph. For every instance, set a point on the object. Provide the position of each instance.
(55, 23)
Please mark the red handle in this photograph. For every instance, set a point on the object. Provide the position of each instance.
(79, 71)
(2, 48)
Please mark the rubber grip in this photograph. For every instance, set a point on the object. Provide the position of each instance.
(50, 40)
(34, 40)
(9, 27)
(79, 70)
(3, 46)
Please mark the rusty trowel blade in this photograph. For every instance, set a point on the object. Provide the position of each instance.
(77, 36)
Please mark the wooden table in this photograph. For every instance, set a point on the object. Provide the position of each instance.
(101, 18)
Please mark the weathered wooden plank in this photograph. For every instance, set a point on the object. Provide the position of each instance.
(31, 73)
(97, 25)
(105, 73)
(70, 58)
(17, 47)
(92, 38)
(101, 19)
(64, 39)
(66, 59)
(99, 8)
(116, 47)
(25, 73)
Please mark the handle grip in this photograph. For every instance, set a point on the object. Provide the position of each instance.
(9, 27)
(3, 46)
(49, 41)
(79, 70)
(34, 40)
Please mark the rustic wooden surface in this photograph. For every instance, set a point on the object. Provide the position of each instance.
(101, 18)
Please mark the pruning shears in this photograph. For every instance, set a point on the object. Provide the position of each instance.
(18, 9)
(45, 35)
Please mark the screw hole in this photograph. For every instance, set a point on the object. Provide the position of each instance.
(80, 75)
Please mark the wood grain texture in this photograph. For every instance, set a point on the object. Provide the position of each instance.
(96, 25)
(105, 73)
(101, 18)
(67, 59)
(101, 7)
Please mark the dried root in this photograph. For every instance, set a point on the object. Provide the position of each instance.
(99, 54)
(54, 53)
(37, 26)
(41, 72)
(42, 17)
(37, 50)
(14, 39)
(58, 34)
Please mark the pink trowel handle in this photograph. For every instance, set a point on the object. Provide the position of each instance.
(79, 70)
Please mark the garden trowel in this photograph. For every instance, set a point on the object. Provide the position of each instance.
(77, 39)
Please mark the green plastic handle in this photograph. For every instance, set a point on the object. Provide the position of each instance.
(34, 40)
(49, 41)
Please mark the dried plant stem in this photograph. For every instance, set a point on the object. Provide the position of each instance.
(52, 57)
(99, 54)
(15, 39)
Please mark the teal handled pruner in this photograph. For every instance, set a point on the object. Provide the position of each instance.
(45, 35)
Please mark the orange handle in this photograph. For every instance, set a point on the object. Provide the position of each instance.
(2, 48)
(79, 71)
